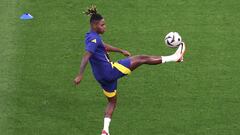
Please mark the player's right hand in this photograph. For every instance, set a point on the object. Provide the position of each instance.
(126, 53)
(78, 79)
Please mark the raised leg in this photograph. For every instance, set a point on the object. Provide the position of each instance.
(138, 60)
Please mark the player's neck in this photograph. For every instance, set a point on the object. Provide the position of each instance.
(93, 30)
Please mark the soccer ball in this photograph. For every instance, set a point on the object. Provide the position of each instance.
(173, 39)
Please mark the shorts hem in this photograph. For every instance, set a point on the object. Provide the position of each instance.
(110, 94)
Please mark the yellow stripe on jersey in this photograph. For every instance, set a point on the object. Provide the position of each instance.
(110, 94)
(121, 68)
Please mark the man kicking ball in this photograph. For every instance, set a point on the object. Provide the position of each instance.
(106, 72)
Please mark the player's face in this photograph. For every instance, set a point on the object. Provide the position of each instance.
(101, 27)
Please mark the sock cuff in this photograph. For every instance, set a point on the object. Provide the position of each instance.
(163, 59)
(107, 119)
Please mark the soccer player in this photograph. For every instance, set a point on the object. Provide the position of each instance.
(106, 72)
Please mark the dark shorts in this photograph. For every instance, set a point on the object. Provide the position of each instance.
(119, 69)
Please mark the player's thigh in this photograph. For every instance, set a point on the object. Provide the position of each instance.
(137, 61)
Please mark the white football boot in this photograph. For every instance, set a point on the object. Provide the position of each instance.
(180, 52)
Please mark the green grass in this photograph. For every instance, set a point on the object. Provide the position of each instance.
(40, 58)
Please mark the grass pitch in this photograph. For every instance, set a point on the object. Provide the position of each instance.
(40, 58)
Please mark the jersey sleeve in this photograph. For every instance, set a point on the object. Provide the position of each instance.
(91, 45)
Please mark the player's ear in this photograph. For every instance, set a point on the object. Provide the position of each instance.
(94, 25)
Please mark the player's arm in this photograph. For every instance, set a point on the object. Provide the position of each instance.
(110, 48)
(83, 65)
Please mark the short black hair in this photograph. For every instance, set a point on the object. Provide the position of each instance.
(92, 11)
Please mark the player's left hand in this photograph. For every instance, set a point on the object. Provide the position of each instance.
(78, 79)
(126, 53)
